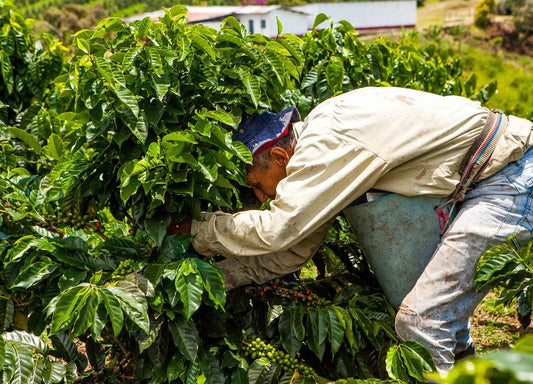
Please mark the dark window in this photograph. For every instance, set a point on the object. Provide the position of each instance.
(250, 26)
(263, 23)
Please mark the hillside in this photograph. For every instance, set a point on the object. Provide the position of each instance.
(35, 8)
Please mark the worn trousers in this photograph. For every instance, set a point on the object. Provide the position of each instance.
(436, 311)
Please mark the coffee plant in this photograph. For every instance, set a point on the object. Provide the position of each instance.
(510, 268)
(514, 366)
(103, 144)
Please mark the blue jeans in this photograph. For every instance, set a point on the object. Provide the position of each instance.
(436, 311)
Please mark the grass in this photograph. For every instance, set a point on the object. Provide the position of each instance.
(512, 72)
(483, 56)
(130, 11)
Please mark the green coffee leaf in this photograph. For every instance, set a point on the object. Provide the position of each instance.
(280, 27)
(156, 227)
(190, 288)
(34, 273)
(96, 355)
(202, 45)
(86, 315)
(317, 327)
(335, 74)
(27, 138)
(289, 341)
(26, 339)
(185, 336)
(133, 303)
(129, 101)
(258, 371)
(297, 322)
(54, 148)
(335, 331)
(394, 364)
(7, 311)
(252, 85)
(319, 19)
(145, 343)
(213, 282)
(114, 310)
(421, 353)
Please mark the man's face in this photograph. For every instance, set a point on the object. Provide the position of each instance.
(264, 181)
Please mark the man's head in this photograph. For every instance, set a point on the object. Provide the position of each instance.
(270, 167)
(271, 140)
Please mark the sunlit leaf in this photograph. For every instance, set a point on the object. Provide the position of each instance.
(190, 289)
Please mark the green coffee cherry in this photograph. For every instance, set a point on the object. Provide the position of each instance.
(124, 268)
(258, 348)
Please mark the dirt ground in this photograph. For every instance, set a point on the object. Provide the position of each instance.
(495, 327)
(446, 13)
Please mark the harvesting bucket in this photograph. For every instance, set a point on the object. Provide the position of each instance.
(398, 235)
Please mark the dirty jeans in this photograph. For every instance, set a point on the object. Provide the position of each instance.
(436, 311)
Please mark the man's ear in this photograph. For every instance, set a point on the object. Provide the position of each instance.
(279, 156)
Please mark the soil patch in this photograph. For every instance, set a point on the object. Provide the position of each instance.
(494, 326)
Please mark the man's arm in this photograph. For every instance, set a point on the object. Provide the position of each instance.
(324, 175)
(260, 269)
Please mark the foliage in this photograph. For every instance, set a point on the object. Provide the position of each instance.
(133, 130)
(512, 72)
(337, 61)
(124, 8)
(27, 68)
(513, 366)
(36, 8)
(483, 9)
(522, 12)
(63, 22)
(511, 269)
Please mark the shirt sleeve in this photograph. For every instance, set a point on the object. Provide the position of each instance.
(260, 269)
(324, 175)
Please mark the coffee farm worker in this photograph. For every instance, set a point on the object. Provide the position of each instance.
(390, 139)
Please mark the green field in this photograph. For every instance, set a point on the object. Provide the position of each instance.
(513, 74)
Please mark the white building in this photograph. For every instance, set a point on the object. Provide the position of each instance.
(365, 15)
(297, 20)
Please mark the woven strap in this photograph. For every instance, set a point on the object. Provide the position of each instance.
(480, 152)
(473, 163)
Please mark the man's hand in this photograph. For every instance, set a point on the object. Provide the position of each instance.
(183, 227)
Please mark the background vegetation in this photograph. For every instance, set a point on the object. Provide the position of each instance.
(103, 141)
(35, 8)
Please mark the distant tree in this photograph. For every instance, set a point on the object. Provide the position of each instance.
(523, 17)
(483, 9)
(69, 19)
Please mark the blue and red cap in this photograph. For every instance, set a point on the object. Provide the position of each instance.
(261, 131)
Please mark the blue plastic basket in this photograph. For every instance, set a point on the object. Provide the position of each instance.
(398, 235)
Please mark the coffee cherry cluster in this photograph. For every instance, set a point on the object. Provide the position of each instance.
(77, 220)
(298, 294)
(258, 348)
(125, 267)
(72, 216)
(306, 296)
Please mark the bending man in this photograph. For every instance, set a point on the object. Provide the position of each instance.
(395, 140)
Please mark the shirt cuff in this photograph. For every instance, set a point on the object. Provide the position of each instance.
(199, 231)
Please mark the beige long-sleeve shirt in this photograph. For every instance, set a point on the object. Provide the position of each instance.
(392, 139)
